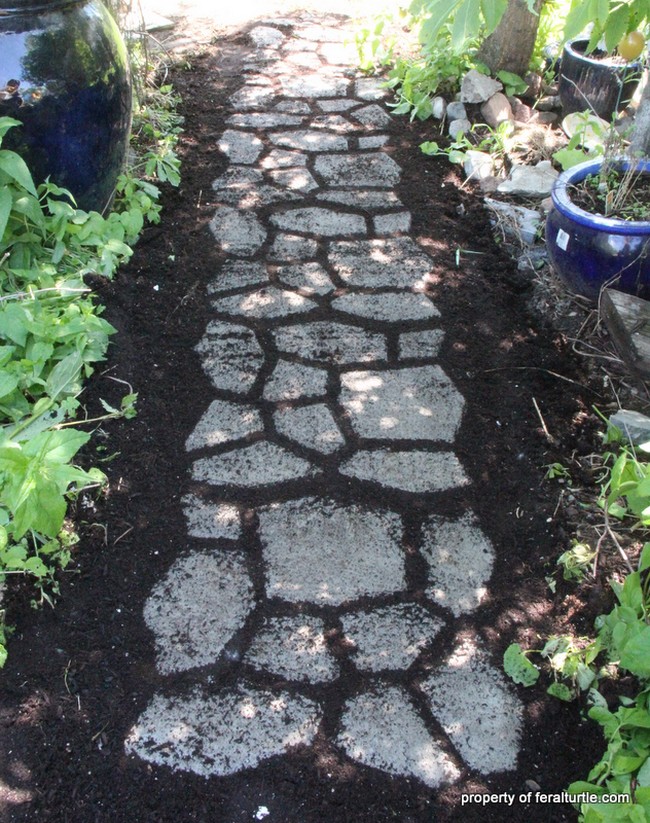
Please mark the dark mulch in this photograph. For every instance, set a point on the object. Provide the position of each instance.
(79, 675)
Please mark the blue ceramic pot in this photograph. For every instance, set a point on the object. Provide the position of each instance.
(64, 74)
(588, 250)
(601, 85)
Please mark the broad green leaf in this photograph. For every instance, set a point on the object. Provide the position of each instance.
(466, 23)
(6, 204)
(617, 26)
(8, 382)
(64, 377)
(644, 560)
(493, 11)
(517, 666)
(561, 691)
(643, 775)
(16, 169)
(7, 123)
(636, 654)
(56, 446)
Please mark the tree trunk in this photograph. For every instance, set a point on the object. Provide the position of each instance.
(641, 134)
(511, 44)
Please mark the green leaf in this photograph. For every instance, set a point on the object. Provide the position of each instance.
(636, 654)
(6, 204)
(561, 691)
(493, 11)
(64, 377)
(8, 382)
(517, 666)
(16, 169)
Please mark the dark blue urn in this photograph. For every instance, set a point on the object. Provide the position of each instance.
(64, 73)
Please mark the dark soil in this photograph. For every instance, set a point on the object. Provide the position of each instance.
(614, 195)
(79, 675)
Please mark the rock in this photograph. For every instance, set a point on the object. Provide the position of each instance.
(546, 118)
(516, 221)
(458, 127)
(530, 181)
(477, 87)
(634, 425)
(496, 110)
(456, 111)
(478, 165)
(534, 81)
(520, 111)
(438, 107)
(549, 103)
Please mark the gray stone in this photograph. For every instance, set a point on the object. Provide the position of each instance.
(370, 88)
(281, 159)
(382, 729)
(263, 120)
(322, 34)
(390, 637)
(293, 107)
(298, 179)
(293, 381)
(419, 403)
(326, 342)
(304, 60)
(634, 425)
(238, 274)
(238, 177)
(237, 232)
(439, 108)
(310, 278)
(309, 140)
(337, 105)
(472, 702)
(418, 472)
(458, 127)
(219, 735)
(267, 303)
(394, 223)
(292, 46)
(516, 222)
(314, 86)
(477, 87)
(230, 356)
(320, 222)
(373, 141)
(478, 165)
(421, 345)
(393, 262)
(261, 464)
(456, 111)
(362, 199)
(194, 611)
(373, 117)
(368, 170)
(224, 422)
(264, 36)
(252, 97)
(316, 551)
(387, 307)
(213, 521)
(292, 247)
(530, 181)
(311, 426)
(293, 648)
(333, 122)
(460, 560)
(339, 54)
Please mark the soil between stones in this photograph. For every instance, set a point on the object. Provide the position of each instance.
(79, 676)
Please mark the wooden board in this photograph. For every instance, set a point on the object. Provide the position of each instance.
(628, 320)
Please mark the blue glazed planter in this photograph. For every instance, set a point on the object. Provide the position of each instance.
(588, 250)
(64, 74)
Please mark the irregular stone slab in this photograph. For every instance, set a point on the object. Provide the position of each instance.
(477, 87)
(240, 146)
(292, 381)
(382, 729)
(321, 34)
(372, 116)
(194, 611)
(530, 181)
(211, 520)
(299, 45)
(326, 342)
(394, 262)
(460, 560)
(337, 105)
(293, 648)
(363, 170)
(472, 702)
(230, 356)
(362, 199)
(282, 159)
(339, 54)
(314, 86)
(419, 403)
(304, 59)
(267, 304)
(258, 80)
(389, 307)
(310, 277)
(238, 176)
(373, 141)
(369, 88)
(295, 179)
(318, 552)
(263, 120)
(311, 426)
(293, 247)
(238, 274)
(333, 122)
(321, 222)
(244, 187)
(265, 36)
(634, 425)
(260, 464)
(293, 107)
(309, 140)
(252, 97)
(224, 422)
(237, 232)
(392, 223)
(219, 735)
(420, 345)
(418, 472)
(391, 637)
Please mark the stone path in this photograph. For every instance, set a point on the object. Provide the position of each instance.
(330, 420)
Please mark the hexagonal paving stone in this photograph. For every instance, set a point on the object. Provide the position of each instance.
(230, 356)
(316, 551)
(367, 170)
(389, 307)
(261, 464)
(393, 262)
(194, 611)
(411, 471)
(224, 422)
(211, 520)
(419, 403)
(268, 303)
(326, 342)
(221, 734)
(460, 560)
(474, 705)
(311, 426)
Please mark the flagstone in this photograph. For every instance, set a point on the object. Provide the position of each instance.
(230, 356)
(296, 179)
(224, 422)
(341, 104)
(362, 199)
(238, 274)
(388, 307)
(293, 381)
(237, 232)
(281, 158)
(309, 277)
(309, 140)
(265, 36)
(240, 146)
(263, 120)
(373, 116)
(266, 303)
(293, 247)
(396, 262)
(311, 426)
(395, 223)
(211, 520)
(367, 170)
(420, 345)
(251, 97)
(373, 141)
(320, 222)
(370, 88)
(314, 86)
(419, 472)
(327, 342)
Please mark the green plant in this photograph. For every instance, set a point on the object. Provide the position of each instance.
(576, 561)
(480, 137)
